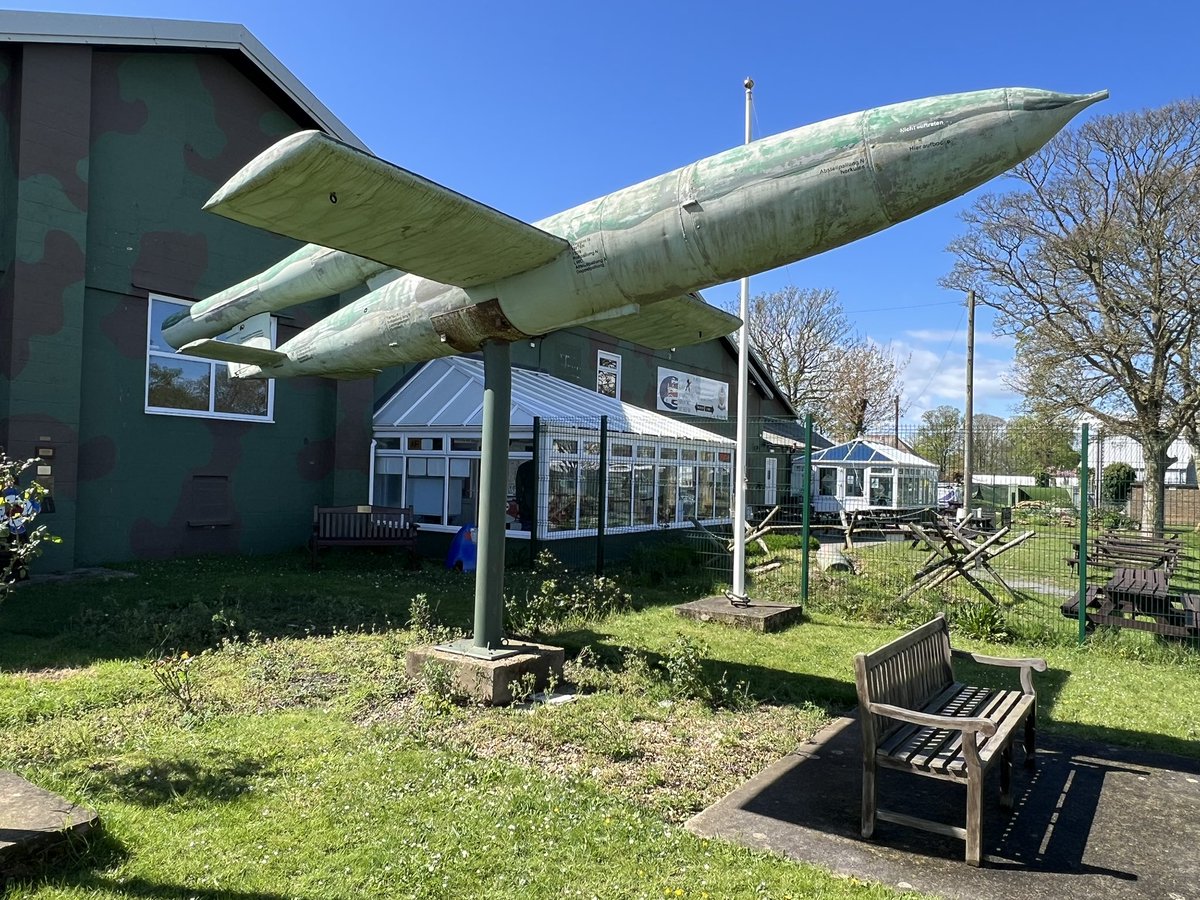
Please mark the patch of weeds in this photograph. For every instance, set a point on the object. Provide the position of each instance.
(423, 619)
(550, 596)
(665, 561)
(523, 687)
(688, 678)
(435, 694)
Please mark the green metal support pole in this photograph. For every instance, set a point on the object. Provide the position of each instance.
(1083, 532)
(805, 531)
(493, 489)
(537, 489)
(602, 499)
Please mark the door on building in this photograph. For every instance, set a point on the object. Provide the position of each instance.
(771, 482)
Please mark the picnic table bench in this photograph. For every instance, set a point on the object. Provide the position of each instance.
(917, 718)
(1141, 599)
(956, 551)
(362, 526)
(1114, 550)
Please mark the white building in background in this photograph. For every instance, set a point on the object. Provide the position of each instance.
(1104, 450)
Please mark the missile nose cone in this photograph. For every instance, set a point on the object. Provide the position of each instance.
(1039, 115)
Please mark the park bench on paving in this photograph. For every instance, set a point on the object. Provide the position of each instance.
(916, 718)
(362, 526)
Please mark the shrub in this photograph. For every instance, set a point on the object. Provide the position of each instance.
(550, 596)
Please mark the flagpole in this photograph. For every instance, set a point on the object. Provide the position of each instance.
(738, 596)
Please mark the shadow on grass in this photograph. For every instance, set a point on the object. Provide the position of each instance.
(221, 776)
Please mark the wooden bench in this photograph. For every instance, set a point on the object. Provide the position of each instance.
(362, 526)
(915, 717)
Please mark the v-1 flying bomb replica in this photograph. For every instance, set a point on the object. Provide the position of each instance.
(628, 264)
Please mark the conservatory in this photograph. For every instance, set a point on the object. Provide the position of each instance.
(864, 474)
(577, 460)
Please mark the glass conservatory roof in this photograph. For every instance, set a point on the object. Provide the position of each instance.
(864, 451)
(448, 393)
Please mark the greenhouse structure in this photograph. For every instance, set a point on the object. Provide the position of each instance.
(578, 460)
(866, 474)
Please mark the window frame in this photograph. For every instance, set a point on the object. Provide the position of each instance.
(211, 412)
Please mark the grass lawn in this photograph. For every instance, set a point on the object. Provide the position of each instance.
(307, 764)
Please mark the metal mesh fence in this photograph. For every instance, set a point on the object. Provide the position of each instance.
(902, 524)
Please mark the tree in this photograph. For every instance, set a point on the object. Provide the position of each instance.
(1092, 266)
(821, 364)
(1041, 443)
(940, 439)
(990, 451)
(1116, 481)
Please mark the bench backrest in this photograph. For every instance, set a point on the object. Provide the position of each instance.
(374, 522)
(905, 672)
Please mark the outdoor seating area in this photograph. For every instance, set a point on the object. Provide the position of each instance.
(1113, 550)
(362, 526)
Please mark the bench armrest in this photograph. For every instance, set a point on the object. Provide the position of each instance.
(986, 727)
(1028, 665)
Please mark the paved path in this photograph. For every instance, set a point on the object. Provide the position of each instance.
(1092, 822)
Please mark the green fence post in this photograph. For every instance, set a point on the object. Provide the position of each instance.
(1083, 532)
(806, 529)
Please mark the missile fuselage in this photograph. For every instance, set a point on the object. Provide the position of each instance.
(746, 210)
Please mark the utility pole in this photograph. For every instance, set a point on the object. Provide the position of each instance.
(737, 595)
(969, 416)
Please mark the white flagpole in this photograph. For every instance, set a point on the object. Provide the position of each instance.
(738, 595)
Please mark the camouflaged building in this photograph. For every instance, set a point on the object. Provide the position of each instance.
(113, 132)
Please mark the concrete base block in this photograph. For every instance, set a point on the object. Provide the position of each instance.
(490, 681)
(761, 617)
(35, 825)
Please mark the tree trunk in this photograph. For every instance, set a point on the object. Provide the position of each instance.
(1154, 485)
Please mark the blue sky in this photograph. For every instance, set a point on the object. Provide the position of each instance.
(533, 107)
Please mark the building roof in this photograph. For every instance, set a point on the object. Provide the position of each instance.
(121, 31)
(790, 433)
(448, 393)
(861, 450)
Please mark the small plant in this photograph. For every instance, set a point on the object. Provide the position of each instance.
(435, 689)
(523, 687)
(981, 621)
(174, 672)
(687, 679)
(20, 540)
(423, 620)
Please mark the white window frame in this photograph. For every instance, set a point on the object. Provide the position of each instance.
(211, 412)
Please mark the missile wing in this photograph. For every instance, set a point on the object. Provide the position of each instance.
(679, 322)
(315, 188)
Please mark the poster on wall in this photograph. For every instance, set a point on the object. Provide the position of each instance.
(692, 395)
(608, 374)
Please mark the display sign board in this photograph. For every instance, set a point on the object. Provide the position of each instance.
(692, 395)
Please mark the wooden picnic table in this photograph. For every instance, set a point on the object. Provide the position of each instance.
(1117, 550)
(1140, 598)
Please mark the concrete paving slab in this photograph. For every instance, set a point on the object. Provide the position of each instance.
(761, 617)
(1091, 822)
(35, 825)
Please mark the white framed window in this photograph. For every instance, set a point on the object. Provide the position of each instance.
(180, 385)
(608, 374)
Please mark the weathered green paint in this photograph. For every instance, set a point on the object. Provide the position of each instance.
(751, 208)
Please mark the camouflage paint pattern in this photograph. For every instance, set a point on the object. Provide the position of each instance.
(106, 156)
(749, 209)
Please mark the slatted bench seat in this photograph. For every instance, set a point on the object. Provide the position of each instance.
(917, 718)
(362, 526)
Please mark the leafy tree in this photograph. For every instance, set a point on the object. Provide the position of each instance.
(1092, 265)
(822, 364)
(1116, 481)
(940, 439)
(1041, 443)
(990, 451)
